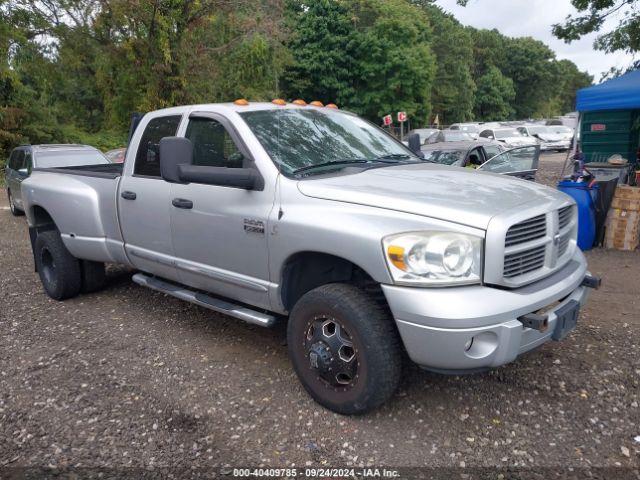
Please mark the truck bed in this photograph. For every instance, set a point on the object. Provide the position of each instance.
(82, 202)
(108, 170)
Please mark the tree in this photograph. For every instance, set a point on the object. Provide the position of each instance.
(495, 95)
(322, 45)
(452, 96)
(569, 81)
(529, 64)
(370, 56)
(591, 17)
(489, 50)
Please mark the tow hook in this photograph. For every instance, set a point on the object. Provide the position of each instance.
(591, 281)
(535, 321)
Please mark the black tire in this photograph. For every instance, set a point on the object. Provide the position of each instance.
(59, 271)
(15, 211)
(375, 345)
(93, 276)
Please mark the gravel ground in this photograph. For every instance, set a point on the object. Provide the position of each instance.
(128, 377)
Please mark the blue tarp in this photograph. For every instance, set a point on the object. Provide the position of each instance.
(622, 93)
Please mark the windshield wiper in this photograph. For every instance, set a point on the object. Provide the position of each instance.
(398, 157)
(389, 158)
(394, 156)
(326, 164)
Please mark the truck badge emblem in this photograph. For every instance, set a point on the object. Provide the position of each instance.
(253, 226)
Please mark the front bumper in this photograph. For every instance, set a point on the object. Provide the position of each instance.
(561, 145)
(437, 325)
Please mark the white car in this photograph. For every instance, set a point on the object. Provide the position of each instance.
(546, 137)
(472, 129)
(565, 132)
(509, 136)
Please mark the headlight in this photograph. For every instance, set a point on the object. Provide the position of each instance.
(434, 258)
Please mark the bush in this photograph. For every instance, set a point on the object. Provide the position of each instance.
(104, 140)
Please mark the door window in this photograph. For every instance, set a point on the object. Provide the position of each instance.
(491, 151)
(474, 159)
(486, 134)
(519, 159)
(147, 158)
(212, 144)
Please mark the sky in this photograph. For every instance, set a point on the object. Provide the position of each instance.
(534, 18)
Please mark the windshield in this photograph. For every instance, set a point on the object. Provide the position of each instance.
(535, 130)
(445, 157)
(507, 132)
(302, 138)
(69, 158)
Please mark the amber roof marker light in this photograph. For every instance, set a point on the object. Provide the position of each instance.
(241, 101)
(299, 101)
(316, 103)
(331, 105)
(278, 101)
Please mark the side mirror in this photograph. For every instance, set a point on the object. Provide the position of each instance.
(414, 144)
(244, 178)
(174, 152)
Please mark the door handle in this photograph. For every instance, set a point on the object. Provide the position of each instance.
(127, 195)
(182, 203)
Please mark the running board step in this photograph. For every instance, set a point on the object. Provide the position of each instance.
(206, 301)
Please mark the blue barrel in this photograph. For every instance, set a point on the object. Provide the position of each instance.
(585, 196)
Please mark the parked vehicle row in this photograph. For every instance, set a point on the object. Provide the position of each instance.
(512, 134)
(262, 210)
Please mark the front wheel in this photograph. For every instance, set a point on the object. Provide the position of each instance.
(344, 348)
(15, 211)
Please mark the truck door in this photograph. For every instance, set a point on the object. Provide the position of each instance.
(220, 233)
(144, 203)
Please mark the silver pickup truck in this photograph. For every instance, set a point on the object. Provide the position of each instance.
(265, 211)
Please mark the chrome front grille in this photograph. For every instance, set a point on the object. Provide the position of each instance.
(531, 248)
(563, 245)
(526, 231)
(517, 264)
(564, 216)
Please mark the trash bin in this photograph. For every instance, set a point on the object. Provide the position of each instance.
(585, 196)
(607, 171)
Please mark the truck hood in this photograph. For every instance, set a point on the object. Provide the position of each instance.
(452, 194)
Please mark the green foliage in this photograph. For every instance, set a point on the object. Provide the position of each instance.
(453, 91)
(494, 97)
(529, 65)
(591, 17)
(75, 70)
(370, 56)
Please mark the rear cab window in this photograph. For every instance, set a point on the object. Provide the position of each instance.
(147, 162)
